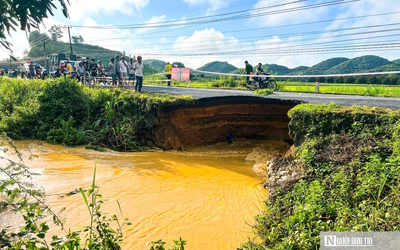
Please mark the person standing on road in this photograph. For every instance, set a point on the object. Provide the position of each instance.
(31, 70)
(113, 71)
(22, 70)
(131, 71)
(118, 70)
(168, 73)
(93, 70)
(124, 69)
(248, 70)
(138, 67)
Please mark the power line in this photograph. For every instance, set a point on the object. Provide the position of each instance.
(247, 14)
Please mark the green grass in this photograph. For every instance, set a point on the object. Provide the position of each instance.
(350, 89)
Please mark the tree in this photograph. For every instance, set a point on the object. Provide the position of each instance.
(26, 14)
(339, 79)
(373, 80)
(361, 80)
(349, 79)
(178, 65)
(56, 32)
(77, 39)
(36, 38)
(330, 80)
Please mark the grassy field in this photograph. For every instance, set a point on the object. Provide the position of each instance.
(350, 89)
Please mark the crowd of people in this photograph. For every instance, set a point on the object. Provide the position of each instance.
(117, 72)
(121, 71)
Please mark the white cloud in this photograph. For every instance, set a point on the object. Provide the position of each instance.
(214, 4)
(78, 10)
(203, 41)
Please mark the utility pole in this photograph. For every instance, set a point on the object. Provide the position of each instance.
(70, 44)
(44, 54)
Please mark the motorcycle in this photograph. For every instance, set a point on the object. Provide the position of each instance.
(13, 73)
(45, 74)
(103, 76)
(262, 82)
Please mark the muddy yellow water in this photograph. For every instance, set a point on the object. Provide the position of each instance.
(206, 195)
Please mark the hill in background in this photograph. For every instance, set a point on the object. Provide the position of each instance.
(155, 64)
(337, 65)
(359, 64)
(217, 66)
(79, 49)
(275, 68)
(324, 66)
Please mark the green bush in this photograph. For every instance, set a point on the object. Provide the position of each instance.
(60, 100)
(67, 134)
(351, 182)
(64, 111)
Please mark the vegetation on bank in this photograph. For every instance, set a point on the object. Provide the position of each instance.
(351, 157)
(66, 112)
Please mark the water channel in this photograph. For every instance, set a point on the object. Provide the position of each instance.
(206, 195)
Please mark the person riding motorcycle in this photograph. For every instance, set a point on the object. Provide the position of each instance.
(259, 71)
(248, 70)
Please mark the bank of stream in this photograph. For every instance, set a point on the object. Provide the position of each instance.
(206, 195)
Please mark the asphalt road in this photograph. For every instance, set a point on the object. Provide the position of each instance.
(314, 98)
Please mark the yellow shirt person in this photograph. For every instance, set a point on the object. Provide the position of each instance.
(168, 72)
(69, 67)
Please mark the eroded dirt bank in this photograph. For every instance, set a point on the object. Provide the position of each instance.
(211, 119)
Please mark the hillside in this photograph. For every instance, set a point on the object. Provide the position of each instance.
(387, 67)
(299, 70)
(155, 64)
(217, 66)
(275, 68)
(322, 67)
(358, 64)
(397, 61)
(80, 49)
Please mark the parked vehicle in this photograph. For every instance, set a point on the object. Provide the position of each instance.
(57, 58)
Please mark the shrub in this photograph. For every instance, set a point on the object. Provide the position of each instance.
(352, 162)
(64, 111)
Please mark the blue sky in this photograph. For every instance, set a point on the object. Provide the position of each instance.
(195, 32)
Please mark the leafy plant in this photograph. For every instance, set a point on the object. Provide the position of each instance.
(29, 201)
(160, 245)
(351, 180)
(67, 134)
(100, 235)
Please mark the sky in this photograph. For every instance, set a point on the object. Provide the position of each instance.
(195, 32)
